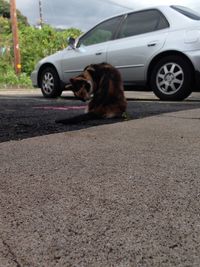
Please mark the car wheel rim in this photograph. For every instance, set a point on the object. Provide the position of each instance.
(48, 83)
(170, 78)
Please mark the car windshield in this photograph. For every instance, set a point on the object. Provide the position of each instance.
(187, 12)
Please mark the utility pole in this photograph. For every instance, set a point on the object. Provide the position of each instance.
(13, 16)
(40, 11)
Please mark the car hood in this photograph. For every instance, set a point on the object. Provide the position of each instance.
(52, 58)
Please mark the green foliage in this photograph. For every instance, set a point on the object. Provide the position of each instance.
(5, 27)
(38, 43)
(5, 33)
(5, 12)
(4, 9)
(35, 44)
(8, 78)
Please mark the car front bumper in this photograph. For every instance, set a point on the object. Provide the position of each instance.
(34, 79)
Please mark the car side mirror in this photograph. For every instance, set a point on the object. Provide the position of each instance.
(71, 42)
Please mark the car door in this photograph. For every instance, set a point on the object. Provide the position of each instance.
(91, 48)
(141, 35)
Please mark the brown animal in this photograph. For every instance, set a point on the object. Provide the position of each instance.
(102, 85)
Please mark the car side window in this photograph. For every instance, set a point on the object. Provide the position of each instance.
(103, 32)
(187, 12)
(143, 22)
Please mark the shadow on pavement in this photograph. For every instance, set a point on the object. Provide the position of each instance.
(27, 117)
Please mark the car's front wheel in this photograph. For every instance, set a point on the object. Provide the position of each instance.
(50, 83)
(171, 78)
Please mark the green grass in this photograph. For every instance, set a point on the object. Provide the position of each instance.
(8, 79)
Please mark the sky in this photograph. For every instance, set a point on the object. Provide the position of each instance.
(84, 14)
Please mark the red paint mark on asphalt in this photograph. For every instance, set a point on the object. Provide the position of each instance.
(61, 108)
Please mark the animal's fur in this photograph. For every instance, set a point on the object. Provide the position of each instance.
(102, 85)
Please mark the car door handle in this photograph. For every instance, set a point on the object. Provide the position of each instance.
(152, 44)
(98, 53)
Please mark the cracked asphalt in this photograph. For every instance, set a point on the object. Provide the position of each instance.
(99, 194)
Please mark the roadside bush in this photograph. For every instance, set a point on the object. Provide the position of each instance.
(38, 43)
(34, 45)
(8, 78)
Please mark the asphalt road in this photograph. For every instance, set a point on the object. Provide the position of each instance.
(25, 115)
(122, 194)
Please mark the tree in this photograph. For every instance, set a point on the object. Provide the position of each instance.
(34, 45)
(5, 27)
(5, 13)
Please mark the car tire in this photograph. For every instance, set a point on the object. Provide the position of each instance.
(50, 83)
(171, 78)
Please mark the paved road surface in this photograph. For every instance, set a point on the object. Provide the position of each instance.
(122, 194)
(25, 114)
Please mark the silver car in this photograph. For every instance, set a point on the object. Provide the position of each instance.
(158, 48)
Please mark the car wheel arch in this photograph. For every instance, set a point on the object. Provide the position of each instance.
(49, 81)
(43, 67)
(156, 59)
